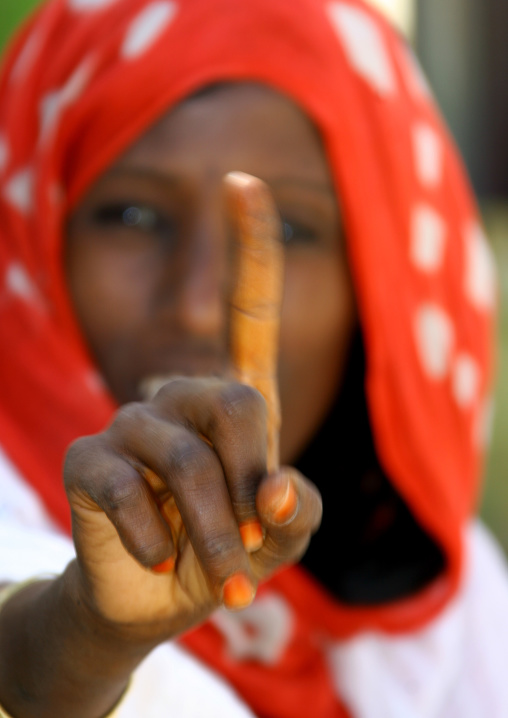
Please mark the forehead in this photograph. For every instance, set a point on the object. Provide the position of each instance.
(254, 127)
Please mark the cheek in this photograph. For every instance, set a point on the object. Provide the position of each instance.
(109, 293)
(318, 310)
(317, 323)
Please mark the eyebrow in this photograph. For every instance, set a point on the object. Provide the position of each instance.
(307, 184)
(143, 172)
(170, 180)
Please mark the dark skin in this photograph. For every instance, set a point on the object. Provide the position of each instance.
(150, 289)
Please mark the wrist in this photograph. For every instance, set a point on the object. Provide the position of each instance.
(128, 639)
(53, 651)
(111, 714)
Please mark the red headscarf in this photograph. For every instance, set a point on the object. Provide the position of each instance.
(84, 79)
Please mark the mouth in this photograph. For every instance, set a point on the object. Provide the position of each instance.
(162, 364)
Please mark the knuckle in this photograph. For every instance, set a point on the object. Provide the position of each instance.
(73, 457)
(191, 461)
(121, 494)
(237, 403)
(173, 387)
(81, 461)
(129, 416)
(218, 548)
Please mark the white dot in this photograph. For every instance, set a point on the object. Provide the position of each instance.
(261, 632)
(465, 380)
(19, 190)
(26, 57)
(49, 112)
(4, 152)
(480, 272)
(89, 4)
(428, 234)
(147, 27)
(434, 340)
(428, 155)
(19, 283)
(54, 103)
(364, 46)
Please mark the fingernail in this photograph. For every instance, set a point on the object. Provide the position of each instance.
(252, 535)
(165, 566)
(284, 508)
(238, 592)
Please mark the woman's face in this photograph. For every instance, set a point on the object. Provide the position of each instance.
(148, 253)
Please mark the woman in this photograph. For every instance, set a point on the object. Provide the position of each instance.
(119, 120)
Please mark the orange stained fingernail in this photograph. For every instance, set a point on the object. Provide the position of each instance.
(165, 566)
(284, 508)
(252, 535)
(238, 592)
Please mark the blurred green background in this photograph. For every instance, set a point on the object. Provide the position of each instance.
(11, 12)
(463, 50)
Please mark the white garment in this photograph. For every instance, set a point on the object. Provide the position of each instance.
(455, 667)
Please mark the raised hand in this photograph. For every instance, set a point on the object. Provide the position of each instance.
(180, 506)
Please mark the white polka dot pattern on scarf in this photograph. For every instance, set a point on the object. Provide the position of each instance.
(428, 155)
(434, 340)
(18, 282)
(90, 4)
(428, 235)
(364, 46)
(147, 28)
(26, 58)
(53, 104)
(465, 380)
(480, 274)
(18, 190)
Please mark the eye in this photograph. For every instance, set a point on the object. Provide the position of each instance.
(141, 217)
(296, 232)
(134, 216)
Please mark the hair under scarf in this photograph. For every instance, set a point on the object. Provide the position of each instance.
(83, 80)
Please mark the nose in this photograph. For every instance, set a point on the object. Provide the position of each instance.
(202, 300)
(201, 296)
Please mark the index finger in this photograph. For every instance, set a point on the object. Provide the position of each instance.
(257, 295)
